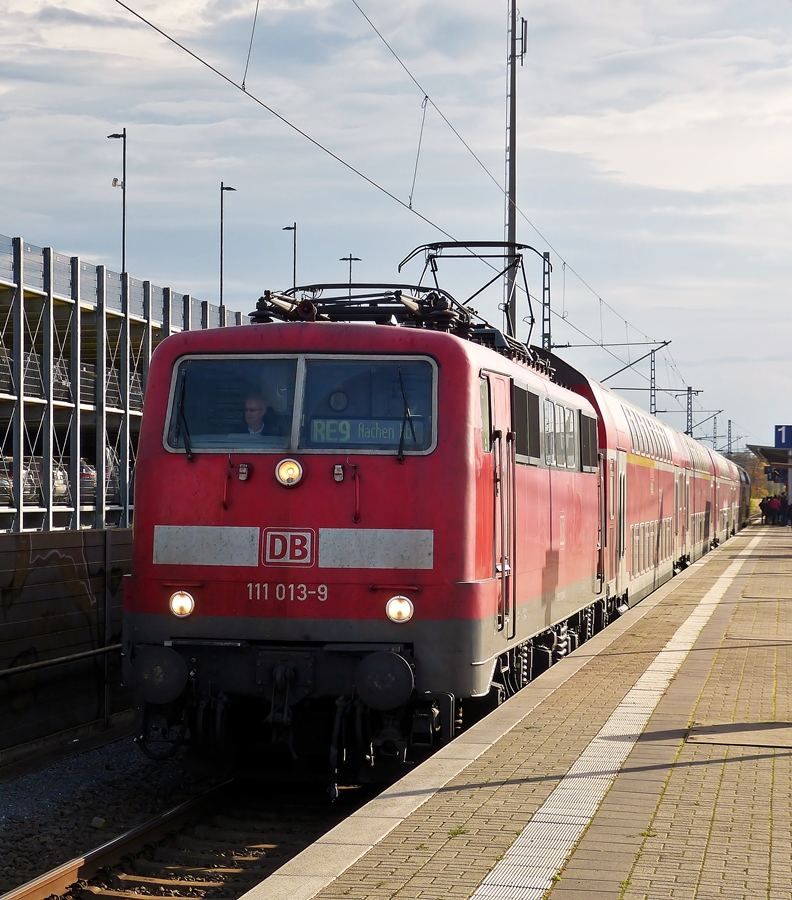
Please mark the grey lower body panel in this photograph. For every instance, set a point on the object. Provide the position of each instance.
(441, 651)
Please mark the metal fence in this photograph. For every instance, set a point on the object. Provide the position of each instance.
(75, 345)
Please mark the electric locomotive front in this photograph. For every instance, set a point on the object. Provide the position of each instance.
(303, 559)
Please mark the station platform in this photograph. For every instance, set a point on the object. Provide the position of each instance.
(654, 762)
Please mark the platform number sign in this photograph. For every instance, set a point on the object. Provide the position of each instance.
(783, 436)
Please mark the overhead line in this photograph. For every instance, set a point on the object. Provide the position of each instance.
(307, 136)
(516, 206)
(285, 121)
(484, 167)
(357, 171)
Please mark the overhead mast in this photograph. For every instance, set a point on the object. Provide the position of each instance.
(511, 164)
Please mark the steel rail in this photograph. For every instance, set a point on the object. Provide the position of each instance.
(58, 880)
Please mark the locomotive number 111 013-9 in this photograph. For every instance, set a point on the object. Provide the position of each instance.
(281, 591)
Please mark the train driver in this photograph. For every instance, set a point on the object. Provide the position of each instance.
(261, 418)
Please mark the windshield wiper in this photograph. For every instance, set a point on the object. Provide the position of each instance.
(407, 419)
(183, 429)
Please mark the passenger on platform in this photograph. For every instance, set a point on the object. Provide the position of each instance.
(764, 510)
(773, 507)
(783, 511)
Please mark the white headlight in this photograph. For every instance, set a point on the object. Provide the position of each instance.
(289, 472)
(399, 609)
(181, 604)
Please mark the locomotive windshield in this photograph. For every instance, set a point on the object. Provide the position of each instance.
(222, 403)
(375, 405)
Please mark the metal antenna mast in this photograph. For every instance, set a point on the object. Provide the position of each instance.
(729, 441)
(652, 384)
(690, 393)
(547, 342)
(511, 165)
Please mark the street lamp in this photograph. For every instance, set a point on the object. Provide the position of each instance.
(350, 259)
(223, 189)
(122, 185)
(294, 253)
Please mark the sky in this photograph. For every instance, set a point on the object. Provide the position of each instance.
(654, 164)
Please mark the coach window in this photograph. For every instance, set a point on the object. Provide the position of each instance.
(560, 436)
(486, 420)
(549, 432)
(588, 443)
(633, 438)
(642, 439)
(525, 416)
(571, 439)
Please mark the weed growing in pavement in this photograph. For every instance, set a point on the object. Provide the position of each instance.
(421, 847)
(455, 832)
(556, 877)
(649, 833)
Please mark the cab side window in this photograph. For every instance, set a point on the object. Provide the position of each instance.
(486, 419)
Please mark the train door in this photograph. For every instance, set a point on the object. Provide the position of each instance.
(621, 524)
(505, 463)
(609, 516)
(680, 531)
(601, 526)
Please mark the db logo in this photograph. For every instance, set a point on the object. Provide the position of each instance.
(289, 547)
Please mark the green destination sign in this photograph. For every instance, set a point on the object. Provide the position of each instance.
(364, 431)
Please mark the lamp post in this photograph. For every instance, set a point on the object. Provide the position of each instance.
(122, 184)
(350, 259)
(294, 253)
(223, 189)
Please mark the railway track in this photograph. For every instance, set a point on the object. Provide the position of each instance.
(217, 846)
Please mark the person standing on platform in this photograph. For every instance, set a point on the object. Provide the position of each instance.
(763, 509)
(783, 511)
(773, 508)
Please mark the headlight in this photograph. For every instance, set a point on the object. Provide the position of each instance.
(289, 472)
(181, 604)
(399, 609)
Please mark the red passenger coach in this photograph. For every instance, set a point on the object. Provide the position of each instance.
(368, 517)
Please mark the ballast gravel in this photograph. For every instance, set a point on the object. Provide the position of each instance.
(57, 813)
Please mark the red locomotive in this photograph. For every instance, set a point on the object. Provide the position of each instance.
(368, 510)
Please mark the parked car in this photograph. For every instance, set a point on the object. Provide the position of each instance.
(112, 480)
(32, 491)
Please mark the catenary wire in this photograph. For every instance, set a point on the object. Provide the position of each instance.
(295, 128)
(250, 48)
(495, 181)
(418, 154)
(487, 171)
(362, 175)
(286, 122)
